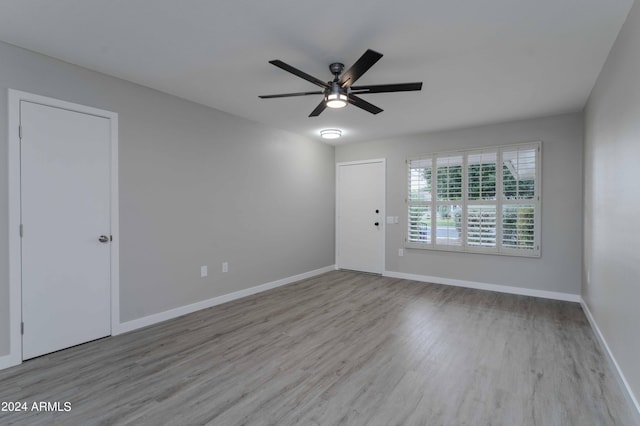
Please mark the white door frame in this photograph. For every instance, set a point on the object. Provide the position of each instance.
(15, 269)
(384, 206)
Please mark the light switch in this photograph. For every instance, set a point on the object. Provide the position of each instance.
(203, 271)
(390, 219)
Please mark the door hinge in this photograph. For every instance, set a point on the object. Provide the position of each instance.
(21, 230)
(110, 237)
(19, 132)
(22, 328)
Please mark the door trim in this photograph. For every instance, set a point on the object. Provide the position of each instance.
(384, 207)
(15, 270)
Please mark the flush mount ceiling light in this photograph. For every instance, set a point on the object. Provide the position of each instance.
(330, 133)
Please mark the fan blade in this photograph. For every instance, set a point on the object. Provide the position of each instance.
(286, 95)
(361, 103)
(278, 63)
(384, 88)
(361, 66)
(316, 112)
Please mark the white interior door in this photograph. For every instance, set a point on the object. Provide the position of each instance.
(65, 176)
(360, 216)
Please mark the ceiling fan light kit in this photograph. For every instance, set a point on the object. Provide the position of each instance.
(339, 92)
(336, 100)
(335, 97)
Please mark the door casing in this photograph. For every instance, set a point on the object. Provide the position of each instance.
(15, 269)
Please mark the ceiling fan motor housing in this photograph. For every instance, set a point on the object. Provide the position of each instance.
(336, 68)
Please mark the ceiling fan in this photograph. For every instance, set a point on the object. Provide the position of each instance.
(340, 91)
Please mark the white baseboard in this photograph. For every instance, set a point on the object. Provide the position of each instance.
(567, 297)
(183, 310)
(603, 343)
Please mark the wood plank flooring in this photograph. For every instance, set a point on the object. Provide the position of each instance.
(341, 348)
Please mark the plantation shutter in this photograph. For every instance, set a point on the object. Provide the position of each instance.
(449, 187)
(485, 201)
(482, 181)
(520, 199)
(419, 201)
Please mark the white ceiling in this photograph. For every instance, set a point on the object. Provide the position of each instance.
(481, 61)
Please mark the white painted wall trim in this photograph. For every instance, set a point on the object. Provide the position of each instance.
(603, 343)
(15, 271)
(567, 297)
(184, 310)
(7, 361)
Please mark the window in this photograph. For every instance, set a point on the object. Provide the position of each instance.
(485, 201)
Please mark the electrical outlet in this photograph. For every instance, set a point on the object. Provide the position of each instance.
(225, 266)
(203, 271)
(400, 252)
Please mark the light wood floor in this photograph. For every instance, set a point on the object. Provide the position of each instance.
(340, 348)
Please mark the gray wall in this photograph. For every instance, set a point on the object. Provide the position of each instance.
(611, 286)
(559, 267)
(197, 187)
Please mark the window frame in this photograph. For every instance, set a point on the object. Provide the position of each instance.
(499, 201)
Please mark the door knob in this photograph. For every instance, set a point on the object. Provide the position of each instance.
(103, 239)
